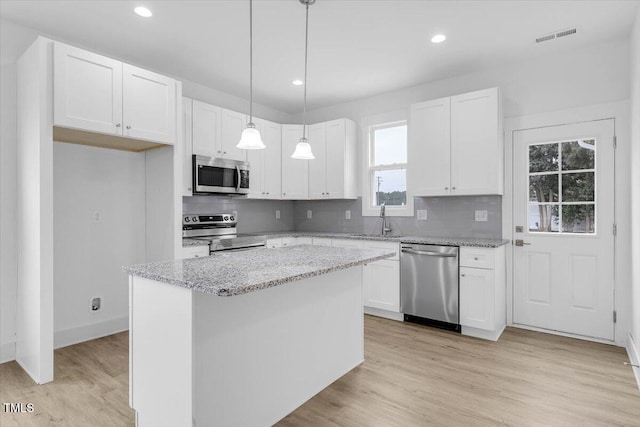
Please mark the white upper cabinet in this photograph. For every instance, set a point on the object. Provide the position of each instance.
(187, 146)
(429, 148)
(232, 125)
(295, 172)
(456, 145)
(97, 94)
(206, 120)
(149, 105)
(332, 174)
(87, 90)
(318, 166)
(216, 131)
(265, 165)
(476, 143)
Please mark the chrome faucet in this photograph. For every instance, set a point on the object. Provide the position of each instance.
(385, 228)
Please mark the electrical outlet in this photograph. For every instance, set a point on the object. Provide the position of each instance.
(309, 214)
(96, 217)
(235, 214)
(422, 214)
(347, 214)
(95, 304)
(481, 215)
(277, 213)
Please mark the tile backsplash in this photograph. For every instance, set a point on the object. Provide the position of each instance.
(446, 216)
(253, 215)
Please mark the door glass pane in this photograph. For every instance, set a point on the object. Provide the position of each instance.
(543, 218)
(543, 188)
(578, 218)
(578, 187)
(390, 145)
(580, 154)
(543, 157)
(390, 187)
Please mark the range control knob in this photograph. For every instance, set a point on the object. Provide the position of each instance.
(232, 218)
(186, 219)
(194, 219)
(226, 218)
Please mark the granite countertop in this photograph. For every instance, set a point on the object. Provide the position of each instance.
(236, 273)
(186, 242)
(448, 241)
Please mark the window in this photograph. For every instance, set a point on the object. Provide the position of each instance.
(388, 165)
(562, 187)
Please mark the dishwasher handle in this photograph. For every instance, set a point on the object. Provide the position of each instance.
(436, 254)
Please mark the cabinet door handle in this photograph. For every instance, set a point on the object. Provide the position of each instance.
(128, 126)
(475, 258)
(219, 151)
(189, 189)
(224, 152)
(446, 188)
(453, 188)
(118, 125)
(463, 275)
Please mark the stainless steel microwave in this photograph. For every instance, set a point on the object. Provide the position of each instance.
(214, 176)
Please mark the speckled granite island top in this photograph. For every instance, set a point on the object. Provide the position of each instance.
(236, 273)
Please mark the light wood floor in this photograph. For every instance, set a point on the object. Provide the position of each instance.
(412, 376)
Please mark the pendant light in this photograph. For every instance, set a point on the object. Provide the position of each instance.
(303, 149)
(250, 138)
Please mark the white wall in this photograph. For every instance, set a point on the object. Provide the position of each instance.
(89, 252)
(635, 182)
(8, 218)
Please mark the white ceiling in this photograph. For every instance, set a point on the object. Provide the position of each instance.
(356, 48)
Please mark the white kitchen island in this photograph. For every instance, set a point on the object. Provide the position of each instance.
(243, 338)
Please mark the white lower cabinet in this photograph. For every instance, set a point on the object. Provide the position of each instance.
(381, 285)
(380, 279)
(195, 251)
(288, 241)
(482, 292)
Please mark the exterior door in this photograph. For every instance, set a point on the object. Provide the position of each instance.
(564, 218)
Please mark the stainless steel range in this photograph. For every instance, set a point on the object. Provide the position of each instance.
(220, 231)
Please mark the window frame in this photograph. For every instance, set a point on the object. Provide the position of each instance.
(369, 126)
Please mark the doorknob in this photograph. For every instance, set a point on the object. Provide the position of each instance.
(521, 242)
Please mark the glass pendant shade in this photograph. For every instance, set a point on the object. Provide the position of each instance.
(303, 150)
(250, 139)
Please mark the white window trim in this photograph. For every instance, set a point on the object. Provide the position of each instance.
(367, 205)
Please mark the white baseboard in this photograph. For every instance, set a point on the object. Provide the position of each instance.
(7, 352)
(564, 334)
(384, 313)
(634, 358)
(481, 333)
(84, 333)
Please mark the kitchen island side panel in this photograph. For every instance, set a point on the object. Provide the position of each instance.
(160, 353)
(259, 356)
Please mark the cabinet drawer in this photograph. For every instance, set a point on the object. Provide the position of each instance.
(477, 257)
(195, 251)
(385, 246)
(321, 241)
(347, 243)
(274, 243)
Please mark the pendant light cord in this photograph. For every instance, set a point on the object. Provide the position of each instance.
(306, 47)
(250, 61)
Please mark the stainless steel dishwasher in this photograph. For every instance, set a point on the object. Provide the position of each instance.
(429, 290)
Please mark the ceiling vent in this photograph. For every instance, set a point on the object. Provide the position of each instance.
(556, 35)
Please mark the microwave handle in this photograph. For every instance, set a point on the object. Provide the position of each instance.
(238, 178)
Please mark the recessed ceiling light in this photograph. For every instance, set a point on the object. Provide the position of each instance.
(438, 38)
(143, 11)
(297, 82)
